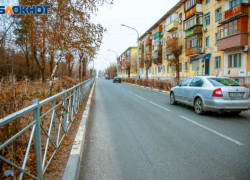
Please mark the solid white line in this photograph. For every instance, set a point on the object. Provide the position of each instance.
(159, 106)
(140, 97)
(215, 132)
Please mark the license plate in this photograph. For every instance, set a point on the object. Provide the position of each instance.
(236, 94)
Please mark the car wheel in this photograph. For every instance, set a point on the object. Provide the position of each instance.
(198, 107)
(235, 112)
(172, 99)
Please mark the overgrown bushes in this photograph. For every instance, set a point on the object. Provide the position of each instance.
(152, 83)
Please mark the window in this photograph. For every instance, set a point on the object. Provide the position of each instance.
(173, 68)
(186, 82)
(234, 60)
(207, 1)
(180, 33)
(237, 2)
(164, 42)
(172, 18)
(218, 14)
(159, 69)
(186, 66)
(155, 70)
(196, 82)
(149, 70)
(189, 4)
(163, 55)
(217, 62)
(195, 20)
(168, 69)
(207, 41)
(180, 16)
(164, 28)
(163, 69)
(228, 29)
(223, 82)
(152, 70)
(174, 34)
(180, 67)
(207, 19)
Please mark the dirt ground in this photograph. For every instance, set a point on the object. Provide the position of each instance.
(56, 168)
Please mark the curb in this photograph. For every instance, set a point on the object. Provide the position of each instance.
(152, 89)
(73, 165)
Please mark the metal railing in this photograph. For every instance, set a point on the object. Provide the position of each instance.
(201, 71)
(63, 112)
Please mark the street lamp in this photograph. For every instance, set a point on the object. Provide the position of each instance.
(116, 60)
(137, 48)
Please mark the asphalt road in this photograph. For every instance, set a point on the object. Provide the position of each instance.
(135, 133)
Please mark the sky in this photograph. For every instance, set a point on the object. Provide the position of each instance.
(139, 14)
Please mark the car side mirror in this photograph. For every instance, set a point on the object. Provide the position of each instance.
(177, 84)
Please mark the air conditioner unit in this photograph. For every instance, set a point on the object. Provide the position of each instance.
(204, 28)
(189, 60)
(245, 48)
(202, 50)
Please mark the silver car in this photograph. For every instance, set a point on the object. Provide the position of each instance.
(210, 93)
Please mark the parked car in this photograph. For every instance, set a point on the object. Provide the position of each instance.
(107, 77)
(117, 79)
(209, 93)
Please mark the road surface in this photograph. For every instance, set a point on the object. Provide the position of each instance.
(134, 133)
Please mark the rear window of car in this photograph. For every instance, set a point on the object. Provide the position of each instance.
(223, 82)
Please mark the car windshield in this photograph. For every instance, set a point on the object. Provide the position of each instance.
(223, 82)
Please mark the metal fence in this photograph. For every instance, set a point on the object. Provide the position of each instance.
(60, 111)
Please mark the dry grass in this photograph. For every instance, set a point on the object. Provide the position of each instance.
(14, 98)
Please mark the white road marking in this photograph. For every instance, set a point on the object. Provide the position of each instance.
(130, 92)
(159, 106)
(215, 132)
(140, 97)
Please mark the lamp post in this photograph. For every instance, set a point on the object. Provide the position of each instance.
(137, 48)
(116, 60)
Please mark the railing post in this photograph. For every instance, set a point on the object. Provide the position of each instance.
(65, 123)
(36, 117)
(74, 99)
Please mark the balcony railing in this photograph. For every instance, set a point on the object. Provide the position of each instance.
(194, 51)
(157, 35)
(149, 41)
(168, 51)
(157, 57)
(195, 9)
(237, 40)
(237, 11)
(171, 41)
(193, 31)
(172, 26)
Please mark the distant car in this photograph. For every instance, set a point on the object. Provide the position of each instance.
(107, 77)
(117, 79)
(209, 93)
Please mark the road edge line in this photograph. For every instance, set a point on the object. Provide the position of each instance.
(74, 162)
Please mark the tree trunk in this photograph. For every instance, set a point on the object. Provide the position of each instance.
(51, 62)
(84, 68)
(146, 73)
(128, 72)
(177, 71)
(80, 67)
(53, 75)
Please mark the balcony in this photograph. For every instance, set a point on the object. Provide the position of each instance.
(196, 9)
(194, 51)
(234, 41)
(157, 57)
(193, 31)
(141, 62)
(237, 11)
(158, 34)
(195, 3)
(171, 41)
(149, 41)
(172, 26)
(141, 46)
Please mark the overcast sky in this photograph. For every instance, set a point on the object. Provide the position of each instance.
(139, 14)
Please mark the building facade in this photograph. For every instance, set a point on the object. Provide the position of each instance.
(214, 35)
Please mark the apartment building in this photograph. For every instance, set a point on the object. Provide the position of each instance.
(214, 35)
(127, 63)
